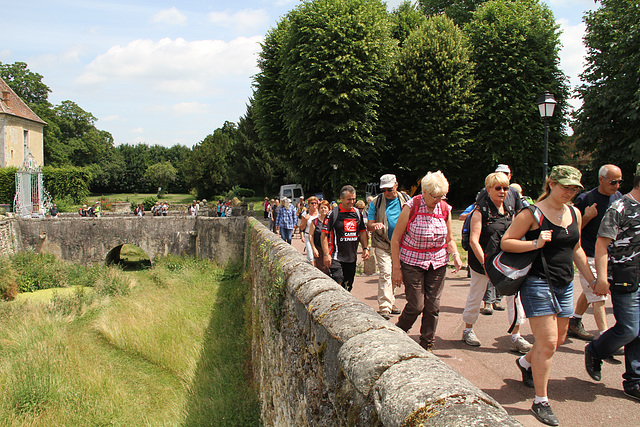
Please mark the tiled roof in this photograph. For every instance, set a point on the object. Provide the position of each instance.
(10, 103)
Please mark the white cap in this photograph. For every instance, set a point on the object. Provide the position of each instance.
(503, 168)
(387, 181)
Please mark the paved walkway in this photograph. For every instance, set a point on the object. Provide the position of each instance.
(575, 398)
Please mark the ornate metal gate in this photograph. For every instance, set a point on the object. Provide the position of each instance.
(31, 199)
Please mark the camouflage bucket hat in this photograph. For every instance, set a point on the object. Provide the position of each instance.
(566, 175)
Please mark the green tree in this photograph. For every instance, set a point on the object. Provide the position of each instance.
(332, 60)
(160, 174)
(136, 159)
(461, 11)
(515, 48)
(405, 18)
(608, 122)
(207, 168)
(429, 102)
(252, 164)
(269, 89)
(25, 83)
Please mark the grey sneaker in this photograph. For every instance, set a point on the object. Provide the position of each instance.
(470, 338)
(542, 411)
(521, 346)
(576, 330)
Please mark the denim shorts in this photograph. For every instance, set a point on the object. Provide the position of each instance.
(536, 298)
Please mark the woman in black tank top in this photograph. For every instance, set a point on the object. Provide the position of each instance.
(557, 235)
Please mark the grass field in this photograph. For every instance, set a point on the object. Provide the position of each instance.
(167, 347)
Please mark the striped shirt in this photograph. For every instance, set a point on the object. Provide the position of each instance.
(425, 241)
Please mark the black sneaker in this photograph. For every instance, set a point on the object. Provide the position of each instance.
(633, 393)
(592, 364)
(527, 375)
(542, 411)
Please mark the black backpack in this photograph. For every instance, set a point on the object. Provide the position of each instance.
(482, 204)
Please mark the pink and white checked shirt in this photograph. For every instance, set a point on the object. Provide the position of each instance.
(425, 241)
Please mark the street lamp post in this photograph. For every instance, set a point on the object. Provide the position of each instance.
(546, 105)
(335, 171)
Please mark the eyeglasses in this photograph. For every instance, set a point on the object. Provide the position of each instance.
(573, 190)
(499, 188)
(615, 182)
(441, 196)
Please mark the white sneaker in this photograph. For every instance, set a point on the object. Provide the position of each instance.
(521, 346)
(470, 338)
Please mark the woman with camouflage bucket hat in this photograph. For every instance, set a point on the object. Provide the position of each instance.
(548, 306)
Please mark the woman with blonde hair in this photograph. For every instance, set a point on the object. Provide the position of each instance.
(547, 293)
(420, 247)
(491, 215)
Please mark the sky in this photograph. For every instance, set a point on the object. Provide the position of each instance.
(171, 72)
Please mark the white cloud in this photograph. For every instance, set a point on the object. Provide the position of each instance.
(137, 130)
(243, 21)
(111, 118)
(189, 108)
(170, 17)
(176, 65)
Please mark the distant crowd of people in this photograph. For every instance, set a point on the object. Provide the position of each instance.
(412, 240)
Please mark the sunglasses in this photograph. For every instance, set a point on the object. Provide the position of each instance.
(499, 188)
(615, 182)
(573, 190)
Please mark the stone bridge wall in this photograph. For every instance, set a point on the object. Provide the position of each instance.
(321, 357)
(90, 240)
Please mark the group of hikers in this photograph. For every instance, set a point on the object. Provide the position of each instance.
(412, 238)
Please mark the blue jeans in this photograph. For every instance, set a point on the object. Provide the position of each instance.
(626, 332)
(286, 234)
(537, 300)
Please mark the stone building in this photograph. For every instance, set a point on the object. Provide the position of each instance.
(21, 131)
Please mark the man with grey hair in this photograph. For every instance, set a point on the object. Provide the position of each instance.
(341, 230)
(593, 204)
(383, 214)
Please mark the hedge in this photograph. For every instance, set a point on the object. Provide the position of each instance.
(7, 185)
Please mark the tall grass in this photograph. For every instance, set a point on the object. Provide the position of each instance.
(164, 346)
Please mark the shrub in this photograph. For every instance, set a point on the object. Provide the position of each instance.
(8, 285)
(148, 202)
(37, 271)
(68, 181)
(7, 184)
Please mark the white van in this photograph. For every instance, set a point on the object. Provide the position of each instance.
(291, 192)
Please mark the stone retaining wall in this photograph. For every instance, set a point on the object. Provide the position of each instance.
(321, 357)
(8, 239)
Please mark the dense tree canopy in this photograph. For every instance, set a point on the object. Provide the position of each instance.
(608, 123)
(515, 48)
(332, 58)
(429, 102)
(461, 11)
(26, 84)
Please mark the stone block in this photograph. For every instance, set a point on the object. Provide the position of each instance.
(366, 356)
(425, 391)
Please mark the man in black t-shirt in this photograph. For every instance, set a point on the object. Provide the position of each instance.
(342, 229)
(593, 204)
